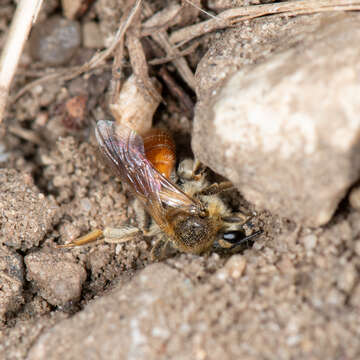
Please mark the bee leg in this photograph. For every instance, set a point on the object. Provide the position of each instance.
(148, 227)
(238, 219)
(216, 188)
(152, 231)
(141, 216)
(110, 235)
(233, 235)
(83, 240)
(120, 235)
(198, 170)
(190, 169)
(158, 252)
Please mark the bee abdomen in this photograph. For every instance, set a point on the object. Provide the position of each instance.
(160, 150)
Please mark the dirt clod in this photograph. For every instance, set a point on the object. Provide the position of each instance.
(58, 280)
(11, 280)
(26, 215)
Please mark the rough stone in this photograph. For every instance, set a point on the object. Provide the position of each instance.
(168, 313)
(120, 323)
(58, 279)
(26, 215)
(286, 130)
(11, 281)
(55, 40)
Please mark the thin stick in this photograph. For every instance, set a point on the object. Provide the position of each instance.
(161, 20)
(185, 102)
(233, 16)
(138, 61)
(25, 16)
(26, 134)
(162, 39)
(182, 53)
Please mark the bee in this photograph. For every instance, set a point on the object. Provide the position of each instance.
(190, 219)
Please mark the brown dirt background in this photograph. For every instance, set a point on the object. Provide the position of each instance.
(294, 294)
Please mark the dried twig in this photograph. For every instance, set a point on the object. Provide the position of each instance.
(163, 60)
(116, 72)
(25, 16)
(26, 134)
(118, 63)
(233, 16)
(162, 39)
(139, 63)
(161, 20)
(185, 102)
(138, 60)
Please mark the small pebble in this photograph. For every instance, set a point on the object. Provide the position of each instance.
(11, 281)
(58, 280)
(55, 40)
(310, 242)
(92, 36)
(75, 112)
(235, 266)
(347, 278)
(71, 8)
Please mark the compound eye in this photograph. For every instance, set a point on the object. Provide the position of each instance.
(234, 236)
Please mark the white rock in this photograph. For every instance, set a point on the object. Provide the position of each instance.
(286, 131)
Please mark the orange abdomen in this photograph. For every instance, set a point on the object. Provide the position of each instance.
(160, 150)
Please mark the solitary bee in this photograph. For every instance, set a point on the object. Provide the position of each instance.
(191, 219)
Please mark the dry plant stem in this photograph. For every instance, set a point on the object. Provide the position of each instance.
(25, 16)
(186, 104)
(163, 60)
(138, 61)
(28, 135)
(117, 75)
(162, 39)
(233, 16)
(95, 61)
(200, 9)
(162, 20)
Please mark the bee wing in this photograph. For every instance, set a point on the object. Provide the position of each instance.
(173, 197)
(123, 149)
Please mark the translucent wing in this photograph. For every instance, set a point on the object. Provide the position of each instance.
(123, 149)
